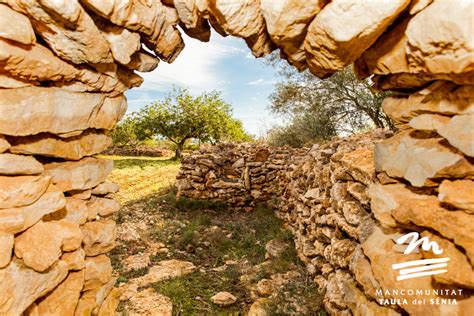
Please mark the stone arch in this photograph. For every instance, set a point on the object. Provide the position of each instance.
(64, 66)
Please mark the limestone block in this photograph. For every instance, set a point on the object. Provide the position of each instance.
(167, 43)
(15, 26)
(90, 301)
(379, 248)
(110, 303)
(238, 18)
(98, 271)
(67, 28)
(19, 165)
(76, 210)
(75, 259)
(459, 132)
(102, 206)
(440, 38)
(105, 188)
(99, 237)
(56, 111)
(287, 20)
(17, 219)
(64, 298)
(35, 63)
(192, 22)
(362, 271)
(407, 207)
(260, 43)
(20, 286)
(360, 165)
(138, 16)
(443, 98)
(460, 273)
(343, 30)
(143, 61)
(418, 159)
(6, 247)
(88, 143)
(80, 175)
(41, 245)
(122, 42)
(428, 122)
(458, 193)
(4, 144)
(21, 190)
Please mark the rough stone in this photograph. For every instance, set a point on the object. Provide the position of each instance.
(98, 271)
(428, 122)
(15, 220)
(459, 193)
(419, 159)
(105, 188)
(102, 206)
(15, 26)
(41, 245)
(164, 270)
(459, 272)
(90, 301)
(6, 247)
(68, 30)
(20, 286)
(75, 259)
(99, 237)
(88, 143)
(83, 174)
(223, 299)
(19, 165)
(441, 97)
(275, 248)
(57, 111)
(21, 190)
(64, 298)
(4, 144)
(458, 131)
(149, 303)
(331, 46)
(427, 50)
(238, 18)
(288, 20)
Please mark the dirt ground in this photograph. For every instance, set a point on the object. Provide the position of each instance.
(173, 255)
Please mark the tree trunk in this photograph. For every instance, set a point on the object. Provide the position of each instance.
(178, 154)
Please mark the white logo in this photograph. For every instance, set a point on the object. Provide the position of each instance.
(423, 267)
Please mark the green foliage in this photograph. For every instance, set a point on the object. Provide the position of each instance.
(127, 132)
(180, 117)
(317, 109)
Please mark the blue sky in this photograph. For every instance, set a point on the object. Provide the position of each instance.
(223, 64)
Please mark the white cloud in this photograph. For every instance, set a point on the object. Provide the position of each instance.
(260, 82)
(195, 68)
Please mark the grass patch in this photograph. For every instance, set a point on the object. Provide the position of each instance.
(206, 233)
(191, 294)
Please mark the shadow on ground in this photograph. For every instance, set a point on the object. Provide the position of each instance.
(226, 246)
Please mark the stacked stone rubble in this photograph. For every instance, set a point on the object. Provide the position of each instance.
(327, 207)
(240, 175)
(64, 66)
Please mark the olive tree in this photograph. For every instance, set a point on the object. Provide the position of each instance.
(180, 117)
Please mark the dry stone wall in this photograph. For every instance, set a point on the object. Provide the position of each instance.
(240, 175)
(65, 64)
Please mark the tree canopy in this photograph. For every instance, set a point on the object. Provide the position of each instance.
(180, 117)
(319, 109)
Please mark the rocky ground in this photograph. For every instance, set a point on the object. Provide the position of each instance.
(187, 257)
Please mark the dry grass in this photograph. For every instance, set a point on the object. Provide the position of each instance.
(140, 177)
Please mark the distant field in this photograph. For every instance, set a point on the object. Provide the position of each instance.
(139, 177)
